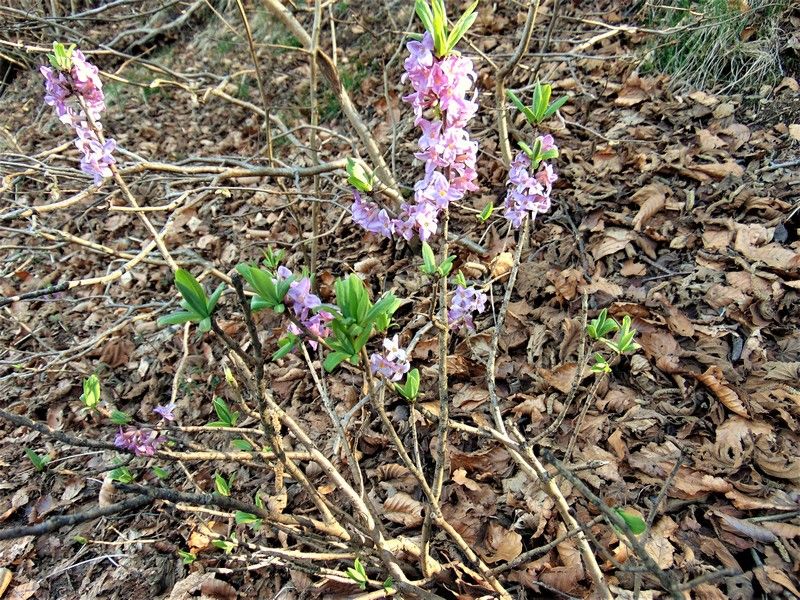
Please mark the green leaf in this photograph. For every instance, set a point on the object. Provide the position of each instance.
(192, 292)
(358, 177)
(91, 391)
(486, 212)
(410, 390)
(388, 584)
(382, 321)
(526, 149)
(187, 557)
(439, 28)
(242, 445)
(204, 325)
(425, 15)
(551, 110)
(334, 359)
(541, 97)
(428, 259)
(212, 301)
(636, 523)
(246, 518)
(224, 414)
(285, 346)
(531, 118)
(120, 418)
(225, 545)
(178, 318)
(358, 574)
(122, 474)
(222, 486)
(161, 473)
(446, 266)
(462, 25)
(39, 462)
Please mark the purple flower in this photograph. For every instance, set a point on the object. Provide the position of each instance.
(393, 363)
(142, 442)
(465, 302)
(301, 303)
(82, 82)
(166, 411)
(371, 217)
(529, 195)
(420, 217)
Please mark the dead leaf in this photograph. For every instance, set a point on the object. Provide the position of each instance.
(501, 265)
(403, 509)
(501, 545)
(651, 200)
(715, 381)
(745, 529)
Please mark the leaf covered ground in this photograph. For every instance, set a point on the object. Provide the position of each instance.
(678, 209)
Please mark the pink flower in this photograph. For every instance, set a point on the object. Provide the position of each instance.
(529, 195)
(166, 412)
(420, 217)
(393, 363)
(465, 302)
(82, 81)
(370, 216)
(142, 442)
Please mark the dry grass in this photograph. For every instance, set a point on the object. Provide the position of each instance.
(731, 45)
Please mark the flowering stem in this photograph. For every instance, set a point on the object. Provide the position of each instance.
(498, 330)
(444, 406)
(505, 71)
(127, 192)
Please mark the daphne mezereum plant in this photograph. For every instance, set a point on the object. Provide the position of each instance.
(74, 89)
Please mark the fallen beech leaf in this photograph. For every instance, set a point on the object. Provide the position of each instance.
(661, 550)
(715, 381)
(719, 170)
(5, 580)
(782, 579)
(403, 509)
(784, 530)
(501, 544)
(216, 588)
(794, 131)
(24, 591)
(651, 199)
(613, 240)
(460, 477)
(502, 264)
(744, 528)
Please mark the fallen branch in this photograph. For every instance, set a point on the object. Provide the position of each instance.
(10, 533)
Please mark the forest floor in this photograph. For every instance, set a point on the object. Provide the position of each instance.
(678, 209)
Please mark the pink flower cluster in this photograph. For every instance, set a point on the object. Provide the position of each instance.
(142, 442)
(393, 363)
(441, 110)
(82, 81)
(166, 412)
(465, 302)
(302, 302)
(529, 194)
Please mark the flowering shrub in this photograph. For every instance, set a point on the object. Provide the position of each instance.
(341, 330)
(74, 78)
